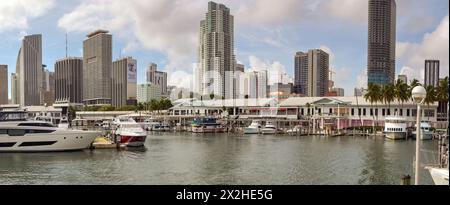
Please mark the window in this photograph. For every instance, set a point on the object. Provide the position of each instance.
(16, 132)
(359, 111)
(383, 112)
(401, 112)
(330, 111)
(3, 132)
(353, 111)
(364, 112)
(31, 144)
(371, 112)
(408, 113)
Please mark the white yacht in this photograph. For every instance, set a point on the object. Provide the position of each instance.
(254, 128)
(269, 129)
(426, 133)
(395, 128)
(129, 132)
(19, 135)
(296, 130)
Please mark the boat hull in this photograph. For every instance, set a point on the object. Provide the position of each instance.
(268, 131)
(249, 130)
(208, 129)
(133, 141)
(424, 136)
(49, 142)
(395, 135)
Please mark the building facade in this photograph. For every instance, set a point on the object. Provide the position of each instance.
(157, 77)
(311, 73)
(47, 93)
(29, 71)
(216, 59)
(148, 92)
(340, 92)
(97, 63)
(403, 78)
(431, 73)
(14, 89)
(381, 42)
(69, 80)
(4, 85)
(123, 82)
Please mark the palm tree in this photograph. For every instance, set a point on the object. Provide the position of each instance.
(388, 94)
(442, 90)
(431, 97)
(401, 91)
(373, 96)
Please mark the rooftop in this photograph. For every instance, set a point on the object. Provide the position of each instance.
(97, 32)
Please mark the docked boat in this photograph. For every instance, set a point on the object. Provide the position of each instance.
(440, 172)
(20, 135)
(160, 127)
(129, 133)
(426, 132)
(207, 125)
(395, 128)
(254, 128)
(296, 130)
(439, 175)
(269, 129)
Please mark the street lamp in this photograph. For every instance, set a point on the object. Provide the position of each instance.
(418, 96)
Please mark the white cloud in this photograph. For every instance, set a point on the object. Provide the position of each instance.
(181, 79)
(15, 14)
(434, 45)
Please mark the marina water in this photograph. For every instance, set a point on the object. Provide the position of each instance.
(211, 159)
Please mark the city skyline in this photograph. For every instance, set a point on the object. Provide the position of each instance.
(257, 46)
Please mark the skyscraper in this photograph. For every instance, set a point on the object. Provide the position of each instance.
(381, 42)
(3, 84)
(124, 79)
(432, 73)
(14, 89)
(216, 57)
(29, 71)
(47, 93)
(158, 78)
(69, 80)
(311, 73)
(97, 63)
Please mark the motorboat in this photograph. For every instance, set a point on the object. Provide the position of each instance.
(269, 129)
(160, 127)
(20, 135)
(395, 128)
(148, 124)
(426, 132)
(206, 125)
(128, 132)
(296, 130)
(64, 123)
(254, 128)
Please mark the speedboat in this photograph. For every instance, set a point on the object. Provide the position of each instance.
(426, 133)
(207, 125)
(269, 129)
(395, 128)
(129, 132)
(19, 135)
(254, 128)
(295, 130)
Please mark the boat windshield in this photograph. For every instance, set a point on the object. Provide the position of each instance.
(13, 116)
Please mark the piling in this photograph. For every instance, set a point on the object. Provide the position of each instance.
(406, 180)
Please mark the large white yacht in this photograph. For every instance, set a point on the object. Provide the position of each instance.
(254, 128)
(130, 133)
(426, 133)
(19, 135)
(395, 128)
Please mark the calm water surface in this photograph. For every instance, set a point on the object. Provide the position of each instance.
(185, 158)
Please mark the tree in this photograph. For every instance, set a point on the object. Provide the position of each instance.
(107, 108)
(388, 94)
(373, 96)
(431, 97)
(442, 90)
(401, 92)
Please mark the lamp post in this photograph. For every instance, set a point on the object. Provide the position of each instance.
(418, 96)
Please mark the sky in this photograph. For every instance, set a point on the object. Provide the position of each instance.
(267, 33)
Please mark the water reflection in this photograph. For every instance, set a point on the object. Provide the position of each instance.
(170, 158)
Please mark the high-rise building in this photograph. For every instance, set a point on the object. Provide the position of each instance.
(3, 84)
(157, 77)
(47, 94)
(311, 73)
(255, 84)
(381, 42)
(97, 63)
(148, 92)
(124, 80)
(216, 59)
(15, 89)
(340, 92)
(403, 78)
(29, 71)
(240, 68)
(69, 80)
(431, 73)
